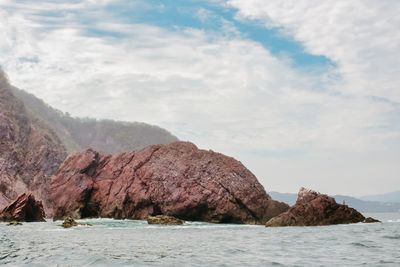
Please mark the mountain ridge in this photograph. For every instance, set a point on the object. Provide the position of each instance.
(103, 135)
(385, 197)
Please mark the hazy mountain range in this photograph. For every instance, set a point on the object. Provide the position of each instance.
(389, 202)
(102, 135)
(388, 197)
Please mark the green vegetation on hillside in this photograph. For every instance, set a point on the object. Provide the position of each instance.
(102, 135)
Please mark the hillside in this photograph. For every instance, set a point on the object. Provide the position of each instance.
(30, 152)
(103, 135)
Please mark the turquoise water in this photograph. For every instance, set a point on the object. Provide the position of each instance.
(135, 243)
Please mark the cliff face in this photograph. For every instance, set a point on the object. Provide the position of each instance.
(313, 209)
(107, 136)
(176, 179)
(29, 151)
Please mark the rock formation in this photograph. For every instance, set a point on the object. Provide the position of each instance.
(178, 179)
(29, 151)
(24, 209)
(312, 209)
(164, 219)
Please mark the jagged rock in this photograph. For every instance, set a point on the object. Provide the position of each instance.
(176, 179)
(371, 220)
(24, 209)
(164, 219)
(313, 208)
(69, 222)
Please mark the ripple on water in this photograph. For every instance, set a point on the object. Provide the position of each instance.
(395, 237)
(363, 245)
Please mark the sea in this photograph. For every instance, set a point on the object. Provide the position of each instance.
(135, 243)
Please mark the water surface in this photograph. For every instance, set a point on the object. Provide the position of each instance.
(135, 243)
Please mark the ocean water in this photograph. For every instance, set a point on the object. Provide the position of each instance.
(135, 243)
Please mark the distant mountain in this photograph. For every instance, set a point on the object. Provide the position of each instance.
(388, 197)
(368, 206)
(288, 198)
(103, 135)
(360, 205)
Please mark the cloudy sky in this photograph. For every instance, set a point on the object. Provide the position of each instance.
(304, 93)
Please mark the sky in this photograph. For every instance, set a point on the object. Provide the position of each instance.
(303, 93)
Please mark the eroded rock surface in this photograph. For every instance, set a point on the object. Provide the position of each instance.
(313, 208)
(178, 179)
(24, 209)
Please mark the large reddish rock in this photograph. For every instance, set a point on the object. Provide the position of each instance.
(29, 151)
(313, 208)
(178, 179)
(24, 209)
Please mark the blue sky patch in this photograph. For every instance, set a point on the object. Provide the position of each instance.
(178, 14)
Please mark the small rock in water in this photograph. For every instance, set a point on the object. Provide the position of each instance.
(164, 219)
(14, 223)
(69, 222)
(371, 220)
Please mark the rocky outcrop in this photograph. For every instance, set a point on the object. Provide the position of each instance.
(29, 151)
(178, 179)
(312, 209)
(25, 209)
(164, 219)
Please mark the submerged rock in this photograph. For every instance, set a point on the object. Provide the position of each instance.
(176, 179)
(24, 209)
(371, 220)
(14, 223)
(313, 208)
(164, 219)
(69, 222)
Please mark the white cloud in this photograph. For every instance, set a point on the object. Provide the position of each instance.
(360, 36)
(219, 90)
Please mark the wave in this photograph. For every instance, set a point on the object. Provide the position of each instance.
(396, 237)
(358, 244)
